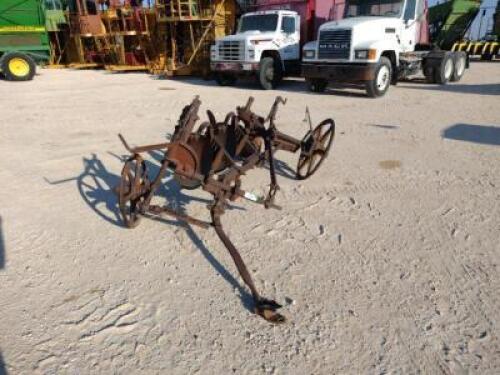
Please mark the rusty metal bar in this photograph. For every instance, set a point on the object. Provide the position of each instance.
(214, 159)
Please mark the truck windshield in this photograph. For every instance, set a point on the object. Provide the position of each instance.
(264, 22)
(384, 8)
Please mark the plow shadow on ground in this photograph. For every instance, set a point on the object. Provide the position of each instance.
(178, 201)
(283, 169)
(96, 185)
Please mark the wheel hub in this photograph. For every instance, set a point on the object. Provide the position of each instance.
(270, 73)
(19, 67)
(383, 78)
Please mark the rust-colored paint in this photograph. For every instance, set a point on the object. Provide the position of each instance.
(215, 157)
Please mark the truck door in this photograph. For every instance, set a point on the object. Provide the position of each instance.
(290, 28)
(413, 12)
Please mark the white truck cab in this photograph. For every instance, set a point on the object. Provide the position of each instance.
(377, 43)
(267, 44)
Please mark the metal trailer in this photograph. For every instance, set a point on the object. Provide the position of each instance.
(449, 21)
(23, 38)
(488, 48)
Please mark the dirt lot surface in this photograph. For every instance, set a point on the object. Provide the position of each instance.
(386, 260)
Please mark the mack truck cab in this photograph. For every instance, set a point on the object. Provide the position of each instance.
(376, 44)
(266, 45)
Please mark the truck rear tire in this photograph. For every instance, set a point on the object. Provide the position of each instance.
(444, 72)
(317, 84)
(270, 73)
(379, 85)
(18, 66)
(225, 79)
(459, 64)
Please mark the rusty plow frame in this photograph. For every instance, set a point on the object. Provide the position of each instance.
(214, 158)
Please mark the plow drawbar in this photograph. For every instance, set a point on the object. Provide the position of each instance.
(214, 157)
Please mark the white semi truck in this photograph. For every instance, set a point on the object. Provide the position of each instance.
(266, 45)
(378, 43)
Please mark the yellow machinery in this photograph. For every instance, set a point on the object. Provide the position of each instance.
(112, 34)
(167, 36)
(190, 27)
(486, 50)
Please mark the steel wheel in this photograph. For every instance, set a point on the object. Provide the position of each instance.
(314, 149)
(134, 185)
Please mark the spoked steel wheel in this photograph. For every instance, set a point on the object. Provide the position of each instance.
(134, 186)
(314, 149)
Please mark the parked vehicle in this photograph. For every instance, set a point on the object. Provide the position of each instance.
(23, 38)
(268, 41)
(378, 43)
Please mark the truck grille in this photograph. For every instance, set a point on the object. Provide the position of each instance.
(232, 50)
(334, 44)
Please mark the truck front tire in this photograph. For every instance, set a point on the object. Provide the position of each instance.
(225, 79)
(18, 66)
(379, 85)
(317, 84)
(270, 73)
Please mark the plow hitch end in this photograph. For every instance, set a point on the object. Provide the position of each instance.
(267, 309)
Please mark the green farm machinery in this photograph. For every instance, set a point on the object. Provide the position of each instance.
(24, 40)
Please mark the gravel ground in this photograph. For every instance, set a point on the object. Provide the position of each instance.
(386, 260)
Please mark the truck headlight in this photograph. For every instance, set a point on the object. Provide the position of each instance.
(251, 54)
(212, 51)
(365, 54)
(309, 54)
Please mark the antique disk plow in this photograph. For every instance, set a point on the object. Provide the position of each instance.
(215, 157)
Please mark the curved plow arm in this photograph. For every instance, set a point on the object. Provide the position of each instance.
(137, 150)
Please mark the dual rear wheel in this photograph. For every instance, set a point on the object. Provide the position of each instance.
(450, 69)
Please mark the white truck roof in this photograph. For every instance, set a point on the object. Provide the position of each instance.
(274, 11)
